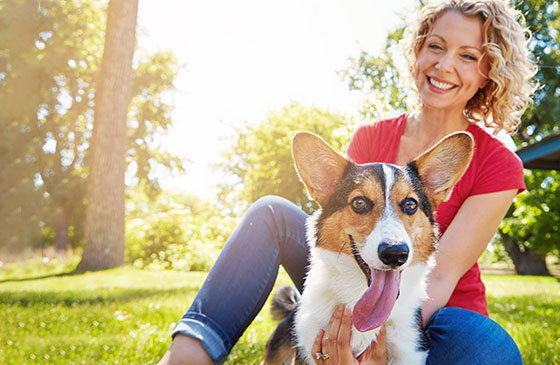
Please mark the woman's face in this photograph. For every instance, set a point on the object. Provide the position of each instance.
(448, 73)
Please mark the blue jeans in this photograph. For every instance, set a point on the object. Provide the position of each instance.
(272, 233)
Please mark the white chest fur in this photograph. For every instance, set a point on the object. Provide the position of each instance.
(336, 279)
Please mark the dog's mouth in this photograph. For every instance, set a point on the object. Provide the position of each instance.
(365, 268)
(376, 304)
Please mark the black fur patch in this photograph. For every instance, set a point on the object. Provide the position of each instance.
(412, 171)
(282, 343)
(424, 340)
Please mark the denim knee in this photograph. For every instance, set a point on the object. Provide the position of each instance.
(270, 211)
(459, 336)
(268, 204)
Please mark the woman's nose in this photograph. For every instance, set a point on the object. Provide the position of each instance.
(445, 63)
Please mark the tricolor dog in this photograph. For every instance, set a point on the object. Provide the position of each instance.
(372, 245)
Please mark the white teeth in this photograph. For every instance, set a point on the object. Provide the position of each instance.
(440, 85)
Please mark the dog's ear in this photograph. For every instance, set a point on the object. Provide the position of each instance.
(443, 165)
(318, 165)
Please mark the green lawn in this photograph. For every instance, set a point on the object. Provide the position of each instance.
(125, 316)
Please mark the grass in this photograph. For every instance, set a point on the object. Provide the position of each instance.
(125, 316)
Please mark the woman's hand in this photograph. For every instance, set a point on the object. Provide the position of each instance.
(332, 346)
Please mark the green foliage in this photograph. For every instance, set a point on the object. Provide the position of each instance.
(126, 315)
(50, 54)
(377, 78)
(260, 158)
(534, 219)
(543, 19)
(173, 231)
(150, 116)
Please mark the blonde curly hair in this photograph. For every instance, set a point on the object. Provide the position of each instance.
(507, 94)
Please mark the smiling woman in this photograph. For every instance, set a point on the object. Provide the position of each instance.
(497, 51)
(463, 52)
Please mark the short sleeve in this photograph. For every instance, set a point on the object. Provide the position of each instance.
(500, 170)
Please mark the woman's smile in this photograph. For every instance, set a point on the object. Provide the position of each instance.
(439, 86)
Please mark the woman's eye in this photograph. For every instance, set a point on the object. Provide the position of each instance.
(435, 46)
(409, 206)
(469, 57)
(361, 205)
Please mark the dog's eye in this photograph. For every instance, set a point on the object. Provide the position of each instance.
(409, 206)
(361, 204)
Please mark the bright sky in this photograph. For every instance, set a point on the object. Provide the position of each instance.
(245, 58)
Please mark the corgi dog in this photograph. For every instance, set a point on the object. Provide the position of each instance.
(372, 246)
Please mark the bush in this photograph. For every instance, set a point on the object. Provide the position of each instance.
(175, 232)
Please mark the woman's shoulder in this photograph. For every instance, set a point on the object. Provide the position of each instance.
(488, 146)
(494, 166)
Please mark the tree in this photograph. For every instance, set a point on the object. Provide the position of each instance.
(104, 246)
(45, 87)
(50, 53)
(260, 159)
(543, 19)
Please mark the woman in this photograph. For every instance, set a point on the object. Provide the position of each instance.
(468, 62)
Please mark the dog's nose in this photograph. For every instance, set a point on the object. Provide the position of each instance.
(393, 254)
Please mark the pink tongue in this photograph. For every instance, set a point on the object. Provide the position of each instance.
(374, 307)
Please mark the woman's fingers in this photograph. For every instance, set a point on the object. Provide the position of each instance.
(316, 348)
(344, 333)
(330, 340)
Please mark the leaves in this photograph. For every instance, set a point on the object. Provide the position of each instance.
(534, 219)
(260, 159)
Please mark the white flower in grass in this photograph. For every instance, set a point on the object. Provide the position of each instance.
(122, 315)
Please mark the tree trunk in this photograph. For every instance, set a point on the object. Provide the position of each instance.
(526, 261)
(61, 230)
(104, 231)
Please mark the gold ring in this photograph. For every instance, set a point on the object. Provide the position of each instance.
(321, 356)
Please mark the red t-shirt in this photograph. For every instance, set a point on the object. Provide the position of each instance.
(493, 168)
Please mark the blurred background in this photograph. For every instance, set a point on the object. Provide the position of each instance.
(133, 135)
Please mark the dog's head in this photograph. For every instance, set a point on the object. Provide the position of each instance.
(380, 214)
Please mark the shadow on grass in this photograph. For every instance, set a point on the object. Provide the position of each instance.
(77, 297)
(40, 277)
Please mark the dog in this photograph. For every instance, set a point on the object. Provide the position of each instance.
(372, 247)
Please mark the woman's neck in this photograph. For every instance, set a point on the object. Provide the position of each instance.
(430, 125)
(424, 129)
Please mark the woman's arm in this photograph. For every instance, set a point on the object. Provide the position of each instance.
(462, 244)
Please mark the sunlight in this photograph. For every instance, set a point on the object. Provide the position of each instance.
(247, 58)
